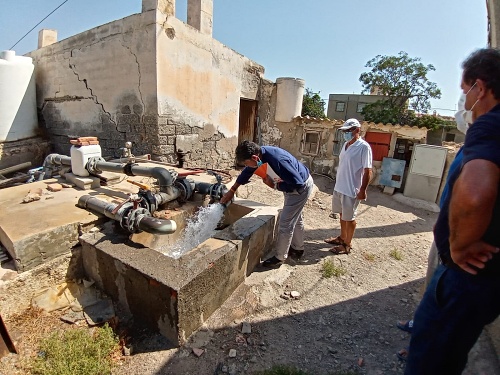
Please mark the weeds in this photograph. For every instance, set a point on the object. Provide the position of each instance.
(76, 352)
(396, 254)
(328, 269)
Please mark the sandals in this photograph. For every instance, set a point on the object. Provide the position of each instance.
(403, 354)
(334, 240)
(341, 249)
(406, 326)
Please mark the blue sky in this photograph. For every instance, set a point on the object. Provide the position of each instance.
(325, 42)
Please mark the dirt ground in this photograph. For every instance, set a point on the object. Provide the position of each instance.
(335, 324)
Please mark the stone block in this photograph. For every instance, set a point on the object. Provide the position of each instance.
(84, 183)
(188, 142)
(166, 129)
(54, 187)
(182, 129)
(163, 149)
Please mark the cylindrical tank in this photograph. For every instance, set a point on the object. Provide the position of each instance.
(18, 119)
(290, 93)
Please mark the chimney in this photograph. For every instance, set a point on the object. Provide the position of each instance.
(167, 7)
(200, 15)
(46, 37)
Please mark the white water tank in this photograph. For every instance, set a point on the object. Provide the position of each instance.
(289, 96)
(18, 119)
(80, 156)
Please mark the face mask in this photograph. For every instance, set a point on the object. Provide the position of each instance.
(348, 136)
(462, 122)
(259, 163)
(466, 114)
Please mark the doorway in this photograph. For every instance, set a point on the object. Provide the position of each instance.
(248, 120)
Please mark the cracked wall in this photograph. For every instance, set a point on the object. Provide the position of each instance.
(150, 79)
(101, 83)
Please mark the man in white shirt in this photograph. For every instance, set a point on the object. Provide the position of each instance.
(353, 176)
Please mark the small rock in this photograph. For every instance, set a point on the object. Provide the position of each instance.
(127, 350)
(361, 362)
(240, 339)
(54, 187)
(404, 300)
(232, 353)
(31, 198)
(87, 283)
(224, 369)
(49, 196)
(285, 297)
(253, 359)
(66, 185)
(246, 328)
(294, 294)
(198, 352)
(94, 230)
(37, 191)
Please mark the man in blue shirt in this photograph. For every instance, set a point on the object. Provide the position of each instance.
(279, 170)
(463, 294)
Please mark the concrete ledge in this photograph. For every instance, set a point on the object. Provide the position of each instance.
(176, 296)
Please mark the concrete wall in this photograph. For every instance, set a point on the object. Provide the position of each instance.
(101, 82)
(150, 79)
(200, 83)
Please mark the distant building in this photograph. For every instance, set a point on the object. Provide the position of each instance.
(345, 106)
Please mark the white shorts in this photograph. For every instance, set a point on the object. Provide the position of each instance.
(344, 205)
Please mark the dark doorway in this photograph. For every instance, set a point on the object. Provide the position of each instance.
(248, 120)
(403, 150)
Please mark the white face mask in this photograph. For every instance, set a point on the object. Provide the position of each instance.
(462, 122)
(463, 116)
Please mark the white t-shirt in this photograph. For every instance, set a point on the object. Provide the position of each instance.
(352, 163)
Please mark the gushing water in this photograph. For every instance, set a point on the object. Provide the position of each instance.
(198, 229)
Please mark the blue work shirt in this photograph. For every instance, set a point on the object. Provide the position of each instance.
(293, 173)
(482, 142)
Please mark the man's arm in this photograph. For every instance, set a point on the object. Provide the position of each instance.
(471, 208)
(367, 176)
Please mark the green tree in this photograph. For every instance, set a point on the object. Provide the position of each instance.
(313, 105)
(403, 80)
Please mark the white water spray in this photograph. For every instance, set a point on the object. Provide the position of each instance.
(198, 229)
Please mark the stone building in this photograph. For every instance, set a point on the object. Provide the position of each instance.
(155, 81)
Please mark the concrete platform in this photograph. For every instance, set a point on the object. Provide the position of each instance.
(176, 296)
(36, 232)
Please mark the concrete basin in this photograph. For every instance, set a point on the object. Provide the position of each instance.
(175, 296)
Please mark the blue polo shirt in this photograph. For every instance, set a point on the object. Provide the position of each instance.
(482, 142)
(293, 173)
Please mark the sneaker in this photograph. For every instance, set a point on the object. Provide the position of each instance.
(295, 254)
(272, 262)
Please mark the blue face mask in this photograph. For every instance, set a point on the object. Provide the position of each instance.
(259, 163)
(348, 136)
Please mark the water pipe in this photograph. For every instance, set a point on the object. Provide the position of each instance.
(133, 219)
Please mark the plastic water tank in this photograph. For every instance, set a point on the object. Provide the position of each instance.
(80, 156)
(289, 97)
(18, 118)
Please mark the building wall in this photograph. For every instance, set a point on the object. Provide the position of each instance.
(200, 83)
(493, 7)
(351, 105)
(149, 79)
(324, 161)
(102, 83)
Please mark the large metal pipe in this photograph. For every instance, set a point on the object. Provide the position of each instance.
(134, 220)
(49, 164)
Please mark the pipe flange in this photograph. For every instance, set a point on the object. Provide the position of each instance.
(185, 189)
(92, 167)
(132, 221)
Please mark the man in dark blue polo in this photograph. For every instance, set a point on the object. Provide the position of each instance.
(279, 170)
(463, 295)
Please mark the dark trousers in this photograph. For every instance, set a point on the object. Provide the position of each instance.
(452, 314)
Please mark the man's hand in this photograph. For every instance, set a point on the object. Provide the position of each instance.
(361, 195)
(227, 197)
(269, 182)
(476, 255)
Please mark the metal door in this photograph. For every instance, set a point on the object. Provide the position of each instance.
(379, 143)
